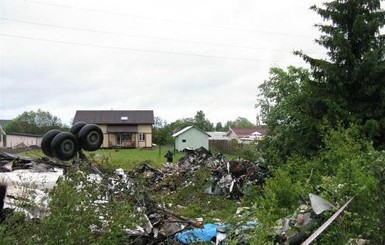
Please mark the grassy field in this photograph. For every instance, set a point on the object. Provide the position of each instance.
(131, 158)
(125, 158)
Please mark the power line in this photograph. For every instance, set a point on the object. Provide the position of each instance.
(145, 37)
(140, 36)
(137, 50)
(163, 20)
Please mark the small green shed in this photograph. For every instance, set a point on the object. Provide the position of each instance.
(191, 137)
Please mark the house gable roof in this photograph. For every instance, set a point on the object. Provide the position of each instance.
(115, 117)
(186, 129)
(217, 135)
(243, 132)
(182, 131)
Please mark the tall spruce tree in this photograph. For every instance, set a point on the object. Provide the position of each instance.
(350, 83)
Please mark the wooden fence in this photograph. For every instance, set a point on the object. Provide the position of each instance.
(223, 146)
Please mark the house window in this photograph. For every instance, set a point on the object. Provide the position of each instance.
(183, 141)
(142, 137)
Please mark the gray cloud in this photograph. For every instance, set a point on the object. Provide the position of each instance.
(170, 56)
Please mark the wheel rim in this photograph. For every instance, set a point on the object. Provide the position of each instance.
(93, 138)
(67, 147)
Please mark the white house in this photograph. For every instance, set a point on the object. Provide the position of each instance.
(191, 137)
(247, 135)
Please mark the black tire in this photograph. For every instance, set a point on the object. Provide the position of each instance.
(46, 141)
(64, 146)
(90, 137)
(76, 128)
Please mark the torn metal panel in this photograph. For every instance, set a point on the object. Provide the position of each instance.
(319, 204)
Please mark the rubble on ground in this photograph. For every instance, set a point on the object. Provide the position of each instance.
(27, 181)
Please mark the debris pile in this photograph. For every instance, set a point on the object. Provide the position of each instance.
(26, 181)
(229, 178)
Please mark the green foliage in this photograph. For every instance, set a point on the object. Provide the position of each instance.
(356, 169)
(162, 132)
(248, 151)
(219, 127)
(286, 102)
(201, 122)
(280, 197)
(17, 230)
(350, 85)
(34, 122)
(348, 166)
(240, 122)
(76, 216)
(346, 88)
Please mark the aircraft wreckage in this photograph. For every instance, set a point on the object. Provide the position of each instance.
(26, 181)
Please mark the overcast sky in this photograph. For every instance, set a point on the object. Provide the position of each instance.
(175, 57)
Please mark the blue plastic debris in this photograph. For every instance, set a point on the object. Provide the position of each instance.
(205, 234)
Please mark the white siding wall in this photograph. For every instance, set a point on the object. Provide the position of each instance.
(193, 138)
(13, 141)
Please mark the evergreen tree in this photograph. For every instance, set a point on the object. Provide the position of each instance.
(350, 84)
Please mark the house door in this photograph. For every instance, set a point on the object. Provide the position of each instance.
(124, 139)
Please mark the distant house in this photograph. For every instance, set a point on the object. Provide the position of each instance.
(191, 137)
(121, 128)
(17, 140)
(246, 135)
(20, 140)
(214, 136)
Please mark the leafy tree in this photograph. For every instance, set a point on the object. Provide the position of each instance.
(162, 132)
(219, 127)
(299, 105)
(350, 84)
(201, 122)
(34, 122)
(181, 124)
(240, 122)
(348, 166)
(287, 107)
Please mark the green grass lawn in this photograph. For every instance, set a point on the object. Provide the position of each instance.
(131, 158)
(125, 158)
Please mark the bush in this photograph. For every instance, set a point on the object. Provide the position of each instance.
(347, 167)
(81, 212)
